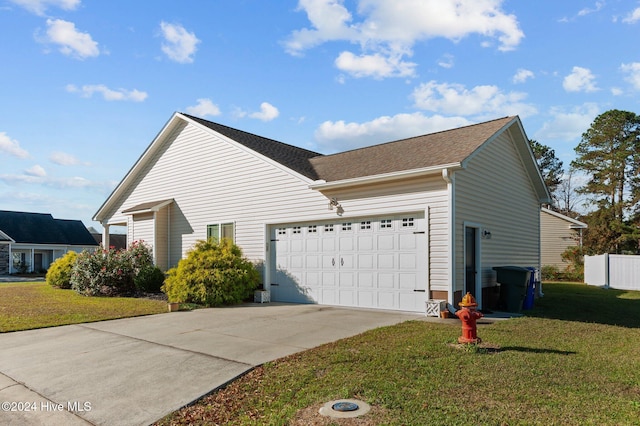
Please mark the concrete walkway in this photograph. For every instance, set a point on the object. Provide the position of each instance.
(134, 371)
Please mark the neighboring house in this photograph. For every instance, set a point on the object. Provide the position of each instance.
(557, 233)
(30, 242)
(116, 241)
(387, 226)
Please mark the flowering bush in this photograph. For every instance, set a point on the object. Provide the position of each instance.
(110, 272)
(212, 274)
(59, 273)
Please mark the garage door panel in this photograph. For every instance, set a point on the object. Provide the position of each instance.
(376, 263)
(386, 261)
(386, 281)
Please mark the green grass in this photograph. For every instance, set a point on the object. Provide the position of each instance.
(572, 360)
(25, 306)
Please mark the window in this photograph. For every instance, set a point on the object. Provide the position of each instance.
(407, 222)
(282, 231)
(312, 229)
(328, 228)
(385, 224)
(297, 230)
(365, 224)
(346, 226)
(220, 230)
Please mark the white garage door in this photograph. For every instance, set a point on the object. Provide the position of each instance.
(369, 262)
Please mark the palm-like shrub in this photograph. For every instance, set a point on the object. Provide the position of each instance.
(59, 273)
(212, 274)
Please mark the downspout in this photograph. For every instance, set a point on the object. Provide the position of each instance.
(449, 178)
(10, 259)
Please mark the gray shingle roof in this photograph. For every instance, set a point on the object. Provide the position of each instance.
(288, 155)
(435, 149)
(39, 228)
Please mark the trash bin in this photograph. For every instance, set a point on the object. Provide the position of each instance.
(531, 290)
(513, 286)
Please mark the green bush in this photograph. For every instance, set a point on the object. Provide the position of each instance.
(551, 273)
(212, 274)
(149, 279)
(59, 273)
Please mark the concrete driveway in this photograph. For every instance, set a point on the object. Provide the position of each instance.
(134, 371)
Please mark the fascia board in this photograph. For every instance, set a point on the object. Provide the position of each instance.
(142, 160)
(385, 177)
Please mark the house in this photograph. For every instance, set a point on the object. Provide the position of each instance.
(387, 226)
(557, 233)
(30, 242)
(116, 241)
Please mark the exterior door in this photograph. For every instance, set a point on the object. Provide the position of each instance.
(471, 266)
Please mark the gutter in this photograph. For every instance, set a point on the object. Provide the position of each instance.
(321, 185)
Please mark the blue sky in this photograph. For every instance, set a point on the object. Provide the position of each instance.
(86, 86)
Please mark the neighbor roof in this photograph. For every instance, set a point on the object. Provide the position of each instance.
(41, 228)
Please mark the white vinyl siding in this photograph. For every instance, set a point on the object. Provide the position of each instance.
(496, 192)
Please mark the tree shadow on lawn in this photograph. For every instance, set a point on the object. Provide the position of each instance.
(583, 303)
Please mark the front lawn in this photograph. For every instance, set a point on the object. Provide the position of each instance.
(25, 306)
(573, 360)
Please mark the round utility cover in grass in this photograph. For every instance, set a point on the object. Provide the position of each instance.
(345, 408)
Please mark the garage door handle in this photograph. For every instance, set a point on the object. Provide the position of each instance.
(333, 262)
(419, 232)
(341, 262)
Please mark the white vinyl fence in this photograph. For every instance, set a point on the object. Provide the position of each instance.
(613, 270)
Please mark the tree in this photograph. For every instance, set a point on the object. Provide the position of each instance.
(566, 197)
(609, 154)
(550, 166)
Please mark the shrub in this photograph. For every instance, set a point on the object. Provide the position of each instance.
(212, 274)
(59, 273)
(110, 272)
(574, 255)
(551, 273)
(149, 279)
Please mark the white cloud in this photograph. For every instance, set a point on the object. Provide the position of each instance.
(64, 159)
(39, 7)
(71, 41)
(616, 91)
(480, 101)
(632, 17)
(335, 136)
(36, 170)
(580, 80)
(204, 108)
(180, 45)
(390, 29)
(75, 182)
(633, 73)
(88, 90)
(267, 112)
(522, 75)
(568, 125)
(12, 146)
(377, 66)
(446, 61)
(587, 11)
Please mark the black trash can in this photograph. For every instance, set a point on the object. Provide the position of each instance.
(513, 286)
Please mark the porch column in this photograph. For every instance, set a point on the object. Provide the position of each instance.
(105, 236)
(32, 260)
(10, 260)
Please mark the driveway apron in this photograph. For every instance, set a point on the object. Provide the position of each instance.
(134, 371)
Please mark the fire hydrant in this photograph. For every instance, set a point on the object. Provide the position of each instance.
(468, 315)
